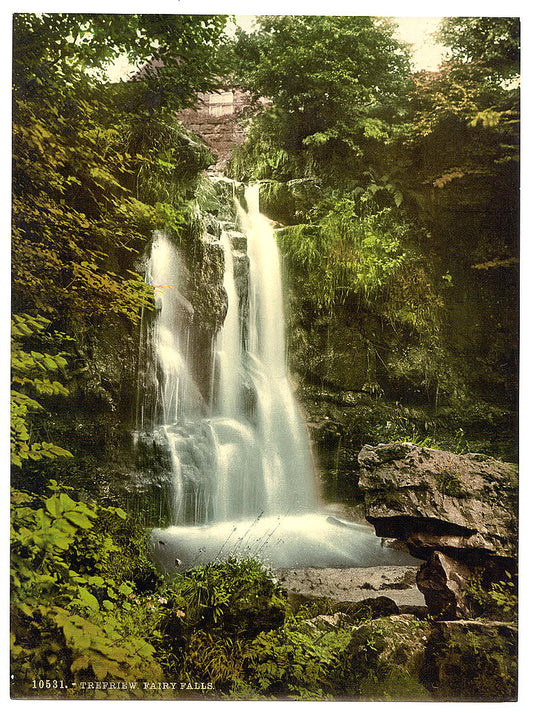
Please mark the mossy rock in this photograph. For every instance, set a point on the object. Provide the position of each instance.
(473, 661)
(385, 657)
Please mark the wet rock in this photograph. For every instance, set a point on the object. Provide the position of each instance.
(438, 498)
(444, 583)
(372, 607)
(327, 622)
(355, 585)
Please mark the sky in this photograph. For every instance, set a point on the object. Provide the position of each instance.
(427, 53)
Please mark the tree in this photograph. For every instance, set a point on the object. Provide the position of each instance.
(335, 82)
(81, 212)
(56, 52)
(492, 41)
(77, 215)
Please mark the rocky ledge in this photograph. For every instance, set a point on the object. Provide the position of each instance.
(456, 512)
(383, 590)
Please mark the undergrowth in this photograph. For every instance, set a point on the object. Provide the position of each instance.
(88, 607)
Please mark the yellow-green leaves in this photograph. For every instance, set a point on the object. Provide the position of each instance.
(31, 370)
(74, 613)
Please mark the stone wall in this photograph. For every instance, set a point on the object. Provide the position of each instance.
(218, 119)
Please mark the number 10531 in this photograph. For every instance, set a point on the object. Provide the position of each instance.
(48, 683)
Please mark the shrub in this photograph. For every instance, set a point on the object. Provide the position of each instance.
(75, 610)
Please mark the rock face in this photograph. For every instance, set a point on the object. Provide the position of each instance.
(458, 512)
(403, 658)
(217, 119)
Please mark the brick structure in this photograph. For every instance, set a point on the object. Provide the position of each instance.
(217, 118)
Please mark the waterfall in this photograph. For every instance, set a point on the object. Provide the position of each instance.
(178, 398)
(286, 458)
(242, 475)
(229, 343)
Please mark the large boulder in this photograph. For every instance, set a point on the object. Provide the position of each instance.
(457, 512)
(385, 658)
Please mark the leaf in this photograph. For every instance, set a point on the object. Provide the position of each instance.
(53, 506)
(59, 539)
(49, 362)
(80, 663)
(79, 519)
(76, 636)
(66, 502)
(88, 599)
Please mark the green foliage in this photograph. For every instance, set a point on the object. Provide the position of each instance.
(290, 663)
(36, 372)
(493, 41)
(449, 483)
(166, 159)
(498, 600)
(217, 657)
(338, 88)
(484, 658)
(74, 611)
(238, 596)
(473, 122)
(71, 213)
(459, 444)
(353, 247)
(238, 632)
(330, 76)
(53, 51)
(92, 160)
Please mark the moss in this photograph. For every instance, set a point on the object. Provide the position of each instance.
(473, 661)
(449, 483)
(389, 498)
(384, 659)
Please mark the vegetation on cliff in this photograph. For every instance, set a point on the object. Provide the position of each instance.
(395, 194)
(399, 218)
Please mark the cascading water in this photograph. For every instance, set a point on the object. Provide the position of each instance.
(242, 474)
(286, 459)
(178, 400)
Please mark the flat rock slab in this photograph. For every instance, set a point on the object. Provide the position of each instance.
(356, 584)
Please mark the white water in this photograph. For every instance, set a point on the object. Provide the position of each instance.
(242, 473)
(287, 467)
(178, 394)
(308, 540)
(229, 344)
